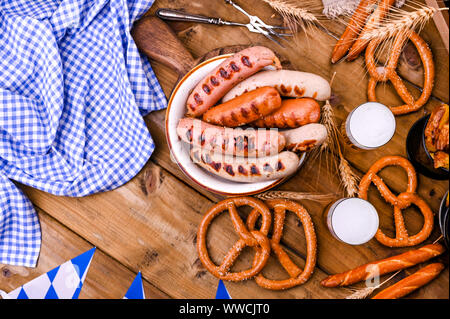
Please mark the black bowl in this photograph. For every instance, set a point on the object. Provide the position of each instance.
(418, 154)
(444, 219)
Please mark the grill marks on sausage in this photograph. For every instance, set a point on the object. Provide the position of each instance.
(229, 169)
(225, 144)
(299, 91)
(198, 99)
(241, 143)
(242, 170)
(246, 61)
(202, 138)
(234, 117)
(244, 112)
(205, 158)
(215, 166)
(206, 89)
(234, 67)
(214, 81)
(224, 74)
(302, 147)
(285, 89)
(280, 166)
(251, 144)
(254, 170)
(254, 108)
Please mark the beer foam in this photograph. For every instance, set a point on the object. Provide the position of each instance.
(372, 124)
(354, 221)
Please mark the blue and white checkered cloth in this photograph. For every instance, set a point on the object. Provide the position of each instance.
(73, 90)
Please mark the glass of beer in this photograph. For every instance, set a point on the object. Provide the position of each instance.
(369, 126)
(353, 221)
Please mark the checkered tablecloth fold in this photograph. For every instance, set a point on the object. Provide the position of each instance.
(73, 90)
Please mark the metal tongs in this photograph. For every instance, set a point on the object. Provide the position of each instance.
(255, 25)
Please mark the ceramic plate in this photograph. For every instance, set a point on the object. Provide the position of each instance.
(180, 151)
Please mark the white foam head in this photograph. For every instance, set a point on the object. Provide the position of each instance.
(353, 220)
(371, 125)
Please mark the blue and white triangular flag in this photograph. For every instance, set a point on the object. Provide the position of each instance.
(136, 290)
(222, 292)
(63, 282)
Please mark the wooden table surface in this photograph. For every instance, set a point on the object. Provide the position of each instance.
(150, 223)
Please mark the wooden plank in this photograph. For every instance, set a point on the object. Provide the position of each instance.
(106, 279)
(151, 226)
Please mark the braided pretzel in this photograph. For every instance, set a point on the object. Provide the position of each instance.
(402, 201)
(297, 275)
(388, 72)
(251, 238)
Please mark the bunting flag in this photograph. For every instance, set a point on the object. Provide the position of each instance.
(136, 290)
(63, 282)
(222, 292)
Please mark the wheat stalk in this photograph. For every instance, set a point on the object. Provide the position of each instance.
(296, 196)
(364, 292)
(403, 22)
(293, 14)
(349, 178)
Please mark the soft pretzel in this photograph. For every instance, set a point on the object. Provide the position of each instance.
(253, 238)
(388, 73)
(297, 275)
(399, 202)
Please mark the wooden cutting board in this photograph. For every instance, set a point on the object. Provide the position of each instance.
(158, 41)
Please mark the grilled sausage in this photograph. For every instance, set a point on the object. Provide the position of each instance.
(305, 138)
(229, 73)
(354, 26)
(246, 170)
(238, 142)
(293, 113)
(384, 266)
(413, 282)
(372, 23)
(244, 109)
(289, 83)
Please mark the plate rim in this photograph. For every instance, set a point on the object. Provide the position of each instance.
(169, 105)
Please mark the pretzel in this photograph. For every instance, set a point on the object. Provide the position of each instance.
(402, 201)
(388, 73)
(252, 238)
(297, 275)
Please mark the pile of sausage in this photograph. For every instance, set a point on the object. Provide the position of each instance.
(247, 124)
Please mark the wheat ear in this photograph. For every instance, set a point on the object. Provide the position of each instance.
(296, 196)
(293, 15)
(365, 292)
(403, 22)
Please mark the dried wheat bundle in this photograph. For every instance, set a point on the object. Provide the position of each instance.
(327, 120)
(401, 22)
(295, 15)
(350, 180)
(296, 196)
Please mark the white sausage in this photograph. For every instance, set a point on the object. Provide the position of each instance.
(305, 138)
(247, 170)
(249, 142)
(289, 83)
